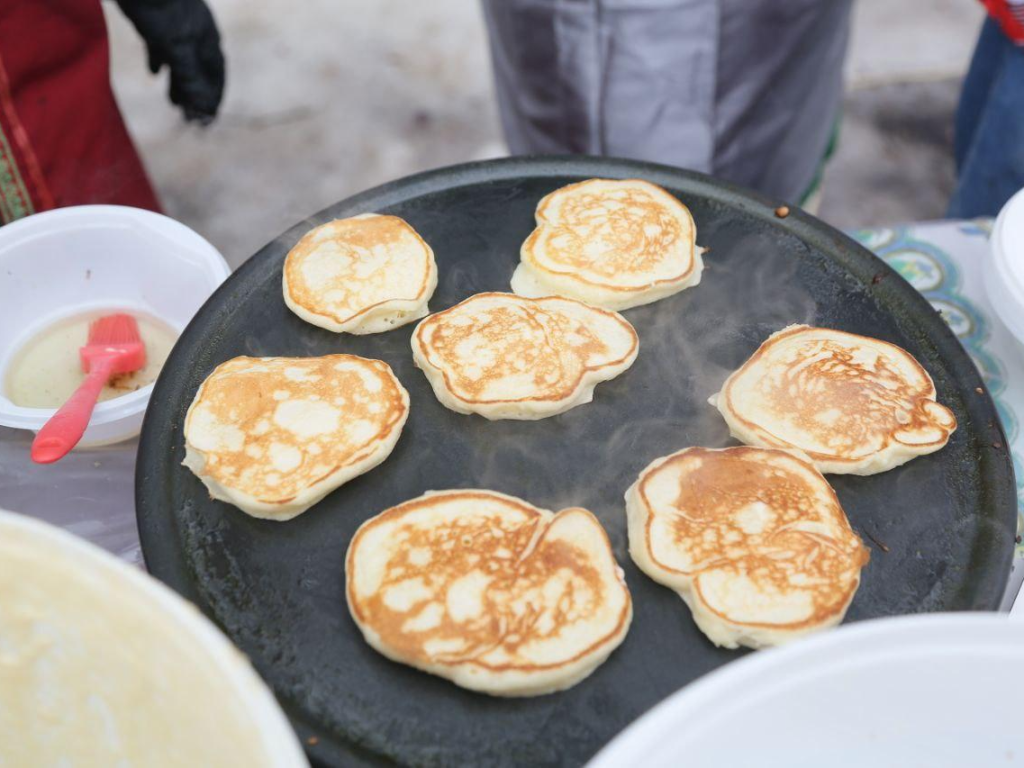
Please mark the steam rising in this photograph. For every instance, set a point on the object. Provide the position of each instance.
(689, 344)
(589, 456)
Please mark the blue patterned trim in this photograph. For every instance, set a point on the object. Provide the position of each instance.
(931, 271)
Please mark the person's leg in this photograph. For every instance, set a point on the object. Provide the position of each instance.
(629, 78)
(747, 89)
(992, 166)
(779, 91)
(985, 63)
(544, 56)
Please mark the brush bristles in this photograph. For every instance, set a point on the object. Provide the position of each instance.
(114, 329)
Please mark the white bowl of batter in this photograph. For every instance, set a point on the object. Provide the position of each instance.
(103, 665)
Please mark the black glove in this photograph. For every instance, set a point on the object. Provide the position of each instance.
(183, 35)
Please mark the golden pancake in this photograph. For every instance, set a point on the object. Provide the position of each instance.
(754, 541)
(855, 405)
(613, 244)
(365, 274)
(488, 591)
(506, 357)
(274, 435)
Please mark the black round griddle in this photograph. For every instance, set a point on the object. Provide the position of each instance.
(940, 528)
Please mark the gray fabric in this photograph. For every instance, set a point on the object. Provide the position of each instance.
(745, 89)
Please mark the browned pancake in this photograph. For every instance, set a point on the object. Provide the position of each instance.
(506, 357)
(754, 540)
(613, 244)
(365, 274)
(854, 404)
(274, 435)
(488, 591)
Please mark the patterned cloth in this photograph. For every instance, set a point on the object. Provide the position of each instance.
(945, 261)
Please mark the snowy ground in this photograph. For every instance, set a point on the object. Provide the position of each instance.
(329, 97)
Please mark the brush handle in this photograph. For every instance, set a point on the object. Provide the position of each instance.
(65, 428)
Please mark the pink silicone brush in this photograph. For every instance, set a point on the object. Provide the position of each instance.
(114, 347)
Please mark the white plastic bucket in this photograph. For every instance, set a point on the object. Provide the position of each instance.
(69, 261)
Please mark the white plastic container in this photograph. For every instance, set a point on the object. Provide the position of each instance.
(941, 691)
(1004, 280)
(103, 663)
(66, 262)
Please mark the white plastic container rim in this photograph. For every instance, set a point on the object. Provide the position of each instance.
(126, 406)
(1004, 280)
(275, 734)
(695, 717)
